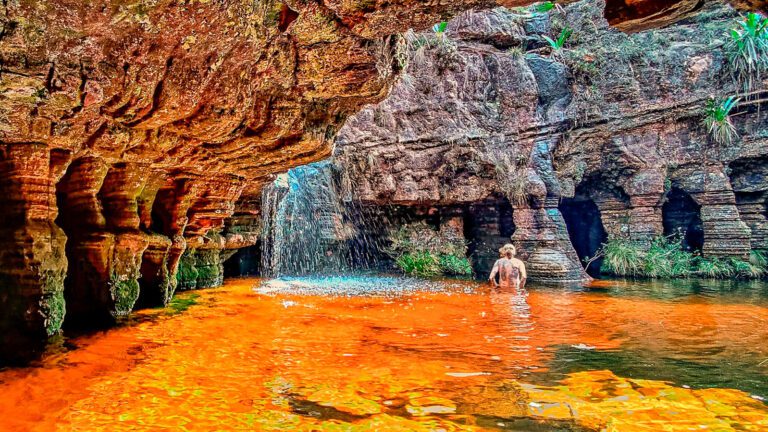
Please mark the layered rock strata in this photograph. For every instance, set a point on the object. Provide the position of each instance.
(614, 121)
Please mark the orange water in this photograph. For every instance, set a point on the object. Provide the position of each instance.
(463, 359)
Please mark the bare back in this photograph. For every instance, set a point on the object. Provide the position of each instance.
(511, 272)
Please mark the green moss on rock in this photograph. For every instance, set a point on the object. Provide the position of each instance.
(208, 264)
(186, 275)
(125, 292)
(52, 303)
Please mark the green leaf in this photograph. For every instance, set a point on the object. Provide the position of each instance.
(440, 27)
(551, 42)
(545, 7)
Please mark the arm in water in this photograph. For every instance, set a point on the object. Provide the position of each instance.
(494, 272)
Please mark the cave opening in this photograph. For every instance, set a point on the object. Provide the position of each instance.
(681, 216)
(245, 262)
(585, 229)
(488, 225)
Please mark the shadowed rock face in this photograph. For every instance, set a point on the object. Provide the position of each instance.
(614, 122)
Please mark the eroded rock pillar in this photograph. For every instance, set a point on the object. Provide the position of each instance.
(99, 213)
(725, 234)
(541, 238)
(168, 205)
(541, 235)
(32, 260)
(645, 219)
(752, 210)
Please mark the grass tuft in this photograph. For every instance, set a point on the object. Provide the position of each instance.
(666, 259)
(421, 263)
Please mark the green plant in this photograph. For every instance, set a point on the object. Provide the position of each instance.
(440, 28)
(512, 174)
(666, 258)
(714, 267)
(422, 264)
(718, 122)
(622, 258)
(455, 265)
(558, 44)
(516, 52)
(747, 50)
(544, 7)
(420, 250)
(759, 258)
(745, 269)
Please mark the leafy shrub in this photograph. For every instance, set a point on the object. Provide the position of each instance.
(420, 250)
(455, 265)
(747, 50)
(718, 121)
(667, 259)
(759, 258)
(419, 236)
(422, 264)
(746, 269)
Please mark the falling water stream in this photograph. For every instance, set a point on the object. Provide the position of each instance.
(310, 226)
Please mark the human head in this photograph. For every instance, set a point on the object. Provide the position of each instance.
(507, 251)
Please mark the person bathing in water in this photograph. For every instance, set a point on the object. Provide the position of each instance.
(511, 270)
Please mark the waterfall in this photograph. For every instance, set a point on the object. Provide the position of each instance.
(309, 229)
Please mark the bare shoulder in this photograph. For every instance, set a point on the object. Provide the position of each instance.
(518, 262)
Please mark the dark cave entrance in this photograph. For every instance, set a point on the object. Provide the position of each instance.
(585, 229)
(681, 216)
(245, 262)
(488, 225)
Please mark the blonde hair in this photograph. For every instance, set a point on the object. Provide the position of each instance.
(507, 251)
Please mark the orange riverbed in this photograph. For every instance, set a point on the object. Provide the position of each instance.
(463, 359)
